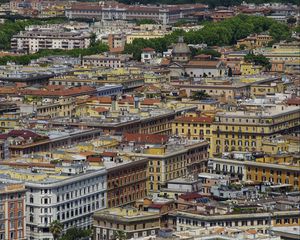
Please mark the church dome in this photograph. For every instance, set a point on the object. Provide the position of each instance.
(181, 47)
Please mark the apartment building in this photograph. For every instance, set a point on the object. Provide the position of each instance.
(245, 130)
(126, 180)
(12, 212)
(188, 220)
(176, 158)
(132, 222)
(62, 107)
(193, 127)
(164, 14)
(115, 41)
(4, 151)
(254, 41)
(275, 169)
(105, 61)
(68, 197)
(34, 40)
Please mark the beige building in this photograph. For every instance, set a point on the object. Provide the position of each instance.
(132, 222)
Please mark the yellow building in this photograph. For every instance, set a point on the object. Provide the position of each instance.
(58, 108)
(267, 88)
(254, 41)
(144, 35)
(9, 121)
(250, 69)
(284, 51)
(194, 127)
(245, 130)
(276, 169)
(173, 160)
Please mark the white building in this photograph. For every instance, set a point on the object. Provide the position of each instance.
(36, 39)
(70, 199)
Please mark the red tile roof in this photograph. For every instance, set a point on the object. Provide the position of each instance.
(190, 196)
(293, 101)
(145, 138)
(157, 206)
(150, 101)
(109, 154)
(101, 109)
(26, 134)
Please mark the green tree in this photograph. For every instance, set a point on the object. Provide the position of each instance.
(200, 95)
(120, 235)
(56, 229)
(291, 20)
(76, 234)
(258, 60)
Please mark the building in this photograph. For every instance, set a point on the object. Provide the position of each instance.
(12, 212)
(4, 151)
(126, 180)
(248, 68)
(58, 193)
(116, 42)
(276, 170)
(188, 220)
(37, 39)
(254, 41)
(133, 222)
(193, 127)
(147, 55)
(164, 14)
(176, 158)
(221, 15)
(105, 61)
(245, 130)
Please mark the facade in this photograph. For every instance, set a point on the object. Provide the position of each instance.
(126, 181)
(193, 127)
(104, 61)
(71, 200)
(276, 170)
(250, 69)
(133, 222)
(34, 40)
(260, 221)
(12, 212)
(174, 161)
(221, 15)
(254, 41)
(244, 131)
(164, 14)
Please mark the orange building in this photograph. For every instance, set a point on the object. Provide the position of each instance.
(126, 181)
(12, 212)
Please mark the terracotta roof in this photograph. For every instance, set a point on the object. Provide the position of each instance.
(148, 49)
(26, 134)
(199, 63)
(251, 231)
(58, 91)
(109, 154)
(30, 165)
(190, 196)
(127, 99)
(101, 99)
(293, 101)
(101, 109)
(157, 206)
(165, 61)
(194, 119)
(145, 138)
(150, 101)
